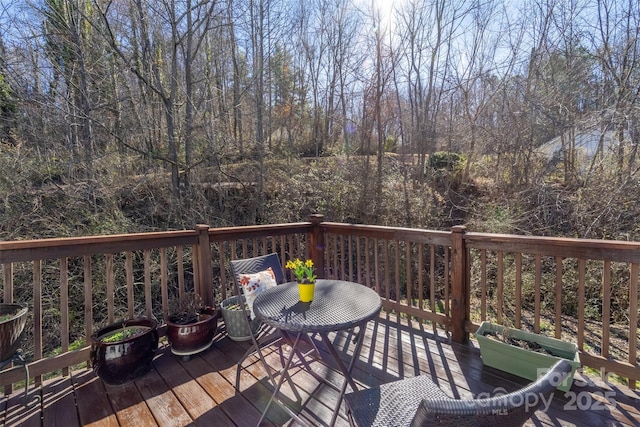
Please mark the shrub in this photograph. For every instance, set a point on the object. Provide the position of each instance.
(452, 162)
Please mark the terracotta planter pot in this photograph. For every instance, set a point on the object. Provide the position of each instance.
(192, 338)
(11, 329)
(127, 359)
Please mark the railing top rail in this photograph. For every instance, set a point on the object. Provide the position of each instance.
(613, 250)
(389, 233)
(29, 250)
(252, 231)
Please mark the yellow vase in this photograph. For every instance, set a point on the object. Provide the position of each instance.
(306, 291)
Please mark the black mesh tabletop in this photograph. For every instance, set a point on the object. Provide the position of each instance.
(336, 305)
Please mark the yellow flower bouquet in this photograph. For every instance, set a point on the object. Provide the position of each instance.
(303, 270)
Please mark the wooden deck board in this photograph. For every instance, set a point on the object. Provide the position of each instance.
(162, 402)
(129, 405)
(94, 409)
(57, 398)
(201, 407)
(201, 391)
(19, 414)
(220, 389)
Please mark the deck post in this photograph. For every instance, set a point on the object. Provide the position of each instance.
(316, 244)
(203, 265)
(459, 289)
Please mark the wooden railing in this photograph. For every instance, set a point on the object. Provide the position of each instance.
(410, 269)
(116, 273)
(453, 279)
(574, 289)
(119, 277)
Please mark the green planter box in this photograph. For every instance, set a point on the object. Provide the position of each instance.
(523, 362)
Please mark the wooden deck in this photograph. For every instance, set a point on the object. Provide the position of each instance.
(201, 391)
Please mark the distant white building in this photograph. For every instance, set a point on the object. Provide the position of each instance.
(586, 143)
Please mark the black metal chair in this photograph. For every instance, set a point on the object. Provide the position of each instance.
(419, 402)
(263, 336)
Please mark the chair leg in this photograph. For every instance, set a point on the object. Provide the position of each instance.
(255, 348)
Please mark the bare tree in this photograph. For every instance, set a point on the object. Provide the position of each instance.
(615, 43)
(68, 41)
(161, 63)
(427, 33)
(481, 72)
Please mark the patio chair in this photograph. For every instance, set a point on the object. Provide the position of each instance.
(418, 401)
(264, 335)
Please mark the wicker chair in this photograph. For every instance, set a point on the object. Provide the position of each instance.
(418, 401)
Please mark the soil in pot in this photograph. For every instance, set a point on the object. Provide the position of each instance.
(123, 334)
(525, 344)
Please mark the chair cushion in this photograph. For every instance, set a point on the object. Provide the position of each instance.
(254, 284)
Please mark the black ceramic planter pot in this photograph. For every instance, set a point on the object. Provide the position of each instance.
(122, 361)
(192, 338)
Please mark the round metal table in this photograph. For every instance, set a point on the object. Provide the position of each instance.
(337, 305)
